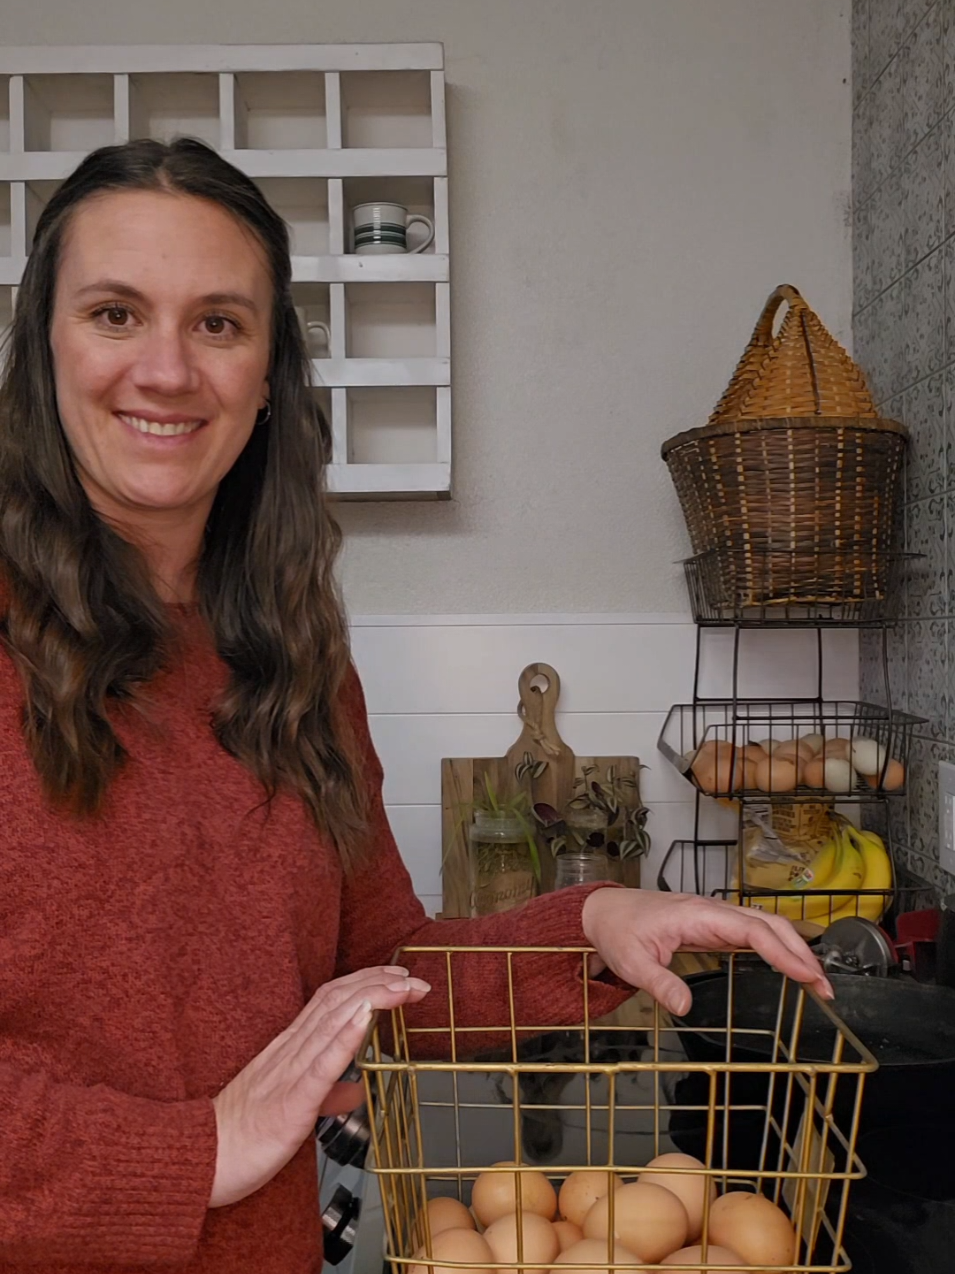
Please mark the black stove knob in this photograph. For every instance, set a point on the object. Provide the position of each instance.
(340, 1223)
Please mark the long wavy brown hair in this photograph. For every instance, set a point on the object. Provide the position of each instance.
(82, 620)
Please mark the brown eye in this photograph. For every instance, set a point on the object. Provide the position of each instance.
(219, 325)
(116, 316)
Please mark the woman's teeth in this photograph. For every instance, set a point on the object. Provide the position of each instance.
(163, 431)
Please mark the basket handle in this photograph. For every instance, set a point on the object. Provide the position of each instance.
(760, 345)
(763, 332)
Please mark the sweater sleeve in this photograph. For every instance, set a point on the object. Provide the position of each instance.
(92, 1175)
(380, 913)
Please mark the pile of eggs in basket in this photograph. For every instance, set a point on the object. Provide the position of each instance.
(830, 765)
(658, 1218)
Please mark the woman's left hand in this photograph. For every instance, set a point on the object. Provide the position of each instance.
(636, 932)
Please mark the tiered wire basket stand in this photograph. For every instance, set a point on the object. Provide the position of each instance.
(715, 867)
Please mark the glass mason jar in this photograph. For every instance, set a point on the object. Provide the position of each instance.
(589, 827)
(502, 871)
(580, 867)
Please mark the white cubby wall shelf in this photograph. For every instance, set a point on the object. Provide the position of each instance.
(320, 128)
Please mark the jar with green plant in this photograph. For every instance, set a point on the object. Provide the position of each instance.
(603, 827)
(504, 860)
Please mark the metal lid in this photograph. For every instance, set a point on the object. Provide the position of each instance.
(856, 945)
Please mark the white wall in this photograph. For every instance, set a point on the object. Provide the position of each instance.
(447, 686)
(629, 180)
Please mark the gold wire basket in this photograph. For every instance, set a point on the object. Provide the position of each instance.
(457, 1096)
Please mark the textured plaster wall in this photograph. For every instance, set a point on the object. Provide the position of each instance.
(904, 283)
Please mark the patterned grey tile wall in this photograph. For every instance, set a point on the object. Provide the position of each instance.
(903, 176)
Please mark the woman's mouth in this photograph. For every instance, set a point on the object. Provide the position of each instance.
(160, 428)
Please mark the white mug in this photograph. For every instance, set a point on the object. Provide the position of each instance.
(318, 337)
(381, 228)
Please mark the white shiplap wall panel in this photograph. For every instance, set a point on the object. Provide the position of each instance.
(437, 667)
(603, 668)
(415, 743)
(441, 686)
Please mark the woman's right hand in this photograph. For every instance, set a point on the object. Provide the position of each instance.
(265, 1114)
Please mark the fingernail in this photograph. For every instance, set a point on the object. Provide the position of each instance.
(409, 984)
(395, 968)
(363, 1015)
(826, 990)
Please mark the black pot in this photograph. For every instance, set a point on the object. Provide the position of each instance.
(901, 1217)
(909, 1027)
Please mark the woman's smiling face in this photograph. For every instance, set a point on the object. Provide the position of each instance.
(161, 342)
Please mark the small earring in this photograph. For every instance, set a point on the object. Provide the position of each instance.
(263, 419)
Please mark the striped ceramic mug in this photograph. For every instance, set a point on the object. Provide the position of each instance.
(382, 228)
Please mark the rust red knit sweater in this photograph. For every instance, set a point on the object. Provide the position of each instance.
(147, 955)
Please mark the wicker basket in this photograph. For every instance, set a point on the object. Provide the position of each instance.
(794, 481)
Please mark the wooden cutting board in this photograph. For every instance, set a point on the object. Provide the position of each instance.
(539, 761)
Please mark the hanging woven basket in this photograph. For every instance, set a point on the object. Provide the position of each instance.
(793, 485)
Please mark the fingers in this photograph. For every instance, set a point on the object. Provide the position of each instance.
(799, 964)
(665, 986)
(333, 1053)
(332, 994)
(814, 973)
(323, 1029)
(771, 936)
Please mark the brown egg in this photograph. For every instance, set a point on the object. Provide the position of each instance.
(814, 741)
(838, 748)
(647, 1220)
(753, 752)
(814, 773)
(448, 1214)
(690, 1190)
(494, 1194)
(591, 1252)
(795, 750)
(567, 1234)
(775, 776)
(540, 1244)
(744, 775)
(714, 1256)
(581, 1190)
(465, 1246)
(894, 777)
(754, 1227)
(714, 769)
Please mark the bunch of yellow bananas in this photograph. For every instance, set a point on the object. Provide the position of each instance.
(851, 860)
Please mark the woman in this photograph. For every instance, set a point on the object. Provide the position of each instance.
(200, 893)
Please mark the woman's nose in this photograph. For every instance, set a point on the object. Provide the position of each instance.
(166, 364)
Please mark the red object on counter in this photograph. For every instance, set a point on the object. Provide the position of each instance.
(915, 942)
